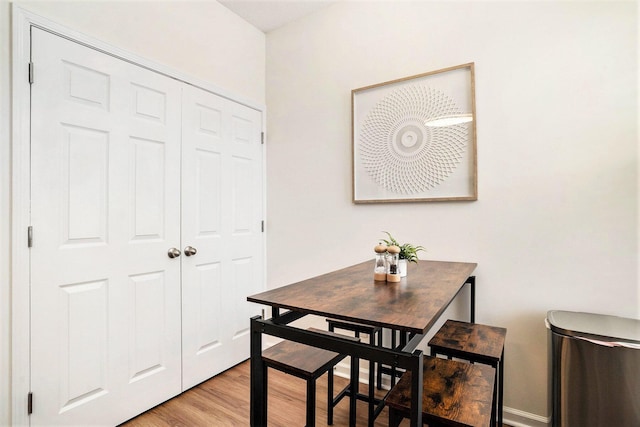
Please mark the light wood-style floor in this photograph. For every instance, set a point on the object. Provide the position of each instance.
(224, 401)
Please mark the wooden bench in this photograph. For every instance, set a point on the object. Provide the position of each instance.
(310, 363)
(454, 394)
(477, 344)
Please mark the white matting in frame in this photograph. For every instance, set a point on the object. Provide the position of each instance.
(414, 139)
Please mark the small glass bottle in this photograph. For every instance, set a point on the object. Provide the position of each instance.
(380, 268)
(393, 267)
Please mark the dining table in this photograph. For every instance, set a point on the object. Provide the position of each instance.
(411, 306)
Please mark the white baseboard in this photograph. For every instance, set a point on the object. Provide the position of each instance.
(518, 418)
(512, 417)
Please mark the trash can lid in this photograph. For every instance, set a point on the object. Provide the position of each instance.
(595, 326)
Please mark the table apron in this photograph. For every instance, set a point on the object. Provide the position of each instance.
(400, 359)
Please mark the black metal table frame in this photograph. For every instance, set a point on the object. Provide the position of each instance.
(407, 358)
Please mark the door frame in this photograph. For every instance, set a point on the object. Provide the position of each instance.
(22, 22)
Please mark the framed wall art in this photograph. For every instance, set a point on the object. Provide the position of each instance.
(414, 139)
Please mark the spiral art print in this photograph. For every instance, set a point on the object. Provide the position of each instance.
(403, 154)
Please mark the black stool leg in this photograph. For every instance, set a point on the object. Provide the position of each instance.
(379, 370)
(393, 368)
(330, 387)
(330, 396)
(495, 401)
(353, 396)
(311, 403)
(395, 417)
(265, 390)
(372, 368)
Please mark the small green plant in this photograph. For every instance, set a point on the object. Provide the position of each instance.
(407, 250)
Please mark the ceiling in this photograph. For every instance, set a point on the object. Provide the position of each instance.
(268, 15)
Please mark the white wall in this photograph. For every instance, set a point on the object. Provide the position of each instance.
(202, 39)
(555, 226)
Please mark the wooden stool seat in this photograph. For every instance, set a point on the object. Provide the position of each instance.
(478, 344)
(308, 363)
(454, 394)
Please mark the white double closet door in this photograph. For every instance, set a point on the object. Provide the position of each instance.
(126, 165)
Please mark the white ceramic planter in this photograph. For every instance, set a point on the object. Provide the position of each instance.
(402, 265)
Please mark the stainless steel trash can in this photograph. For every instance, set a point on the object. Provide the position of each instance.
(595, 370)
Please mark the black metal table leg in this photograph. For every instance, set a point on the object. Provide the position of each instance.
(258, 415)
(501, 389)
(416, 369)
(472, 283)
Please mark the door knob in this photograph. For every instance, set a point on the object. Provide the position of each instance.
(173, 253)
(190, 250)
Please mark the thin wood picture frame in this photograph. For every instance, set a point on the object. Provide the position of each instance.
(414, 138)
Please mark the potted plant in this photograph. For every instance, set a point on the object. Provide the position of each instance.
(408, 252)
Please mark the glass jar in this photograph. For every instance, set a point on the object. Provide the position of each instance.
(380, 267)
(393, 264)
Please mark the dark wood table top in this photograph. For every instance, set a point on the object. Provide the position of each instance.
(413, 305)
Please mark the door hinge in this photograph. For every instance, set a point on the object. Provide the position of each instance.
(30, 73)
(262, 226)
(262, 137)
(30, 236)
(30, 403)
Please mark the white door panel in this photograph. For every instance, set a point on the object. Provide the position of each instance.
(246, 213)
(221, 211)
(105, 209)
(204, 192)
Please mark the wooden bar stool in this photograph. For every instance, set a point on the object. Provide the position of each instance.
(310, 363)
(375, 338)
(454, 394)
(477, 344)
